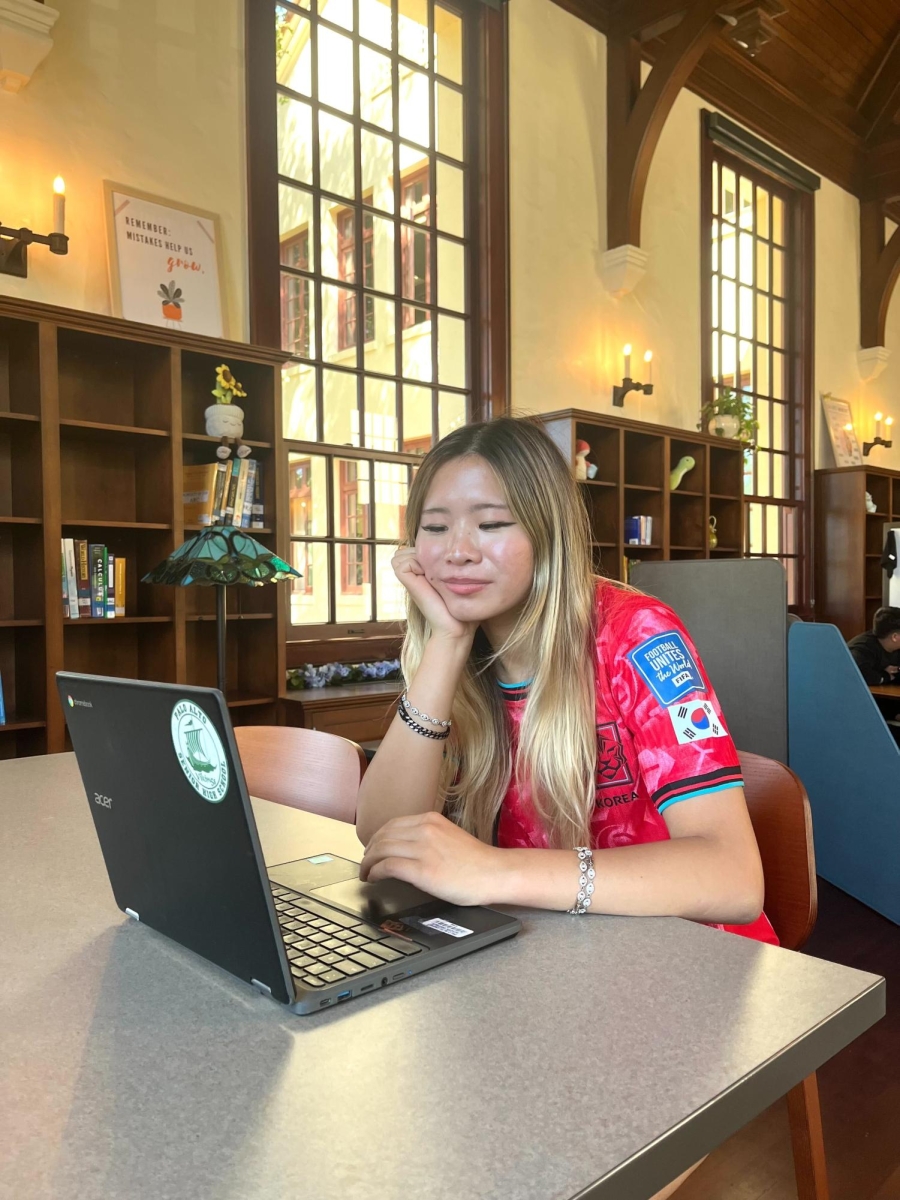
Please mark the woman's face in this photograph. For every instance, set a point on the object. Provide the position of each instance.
(472, 550)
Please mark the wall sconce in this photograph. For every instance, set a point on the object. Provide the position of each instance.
(621, 390)
(868, 447)
(14, 243)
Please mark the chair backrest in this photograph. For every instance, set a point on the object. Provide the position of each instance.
(305, 768)
(782, 821)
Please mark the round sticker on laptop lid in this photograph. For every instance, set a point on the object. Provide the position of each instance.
(199, 751)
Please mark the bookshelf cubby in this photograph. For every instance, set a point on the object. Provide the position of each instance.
(633, 461)
(98, 417)
(849, 543)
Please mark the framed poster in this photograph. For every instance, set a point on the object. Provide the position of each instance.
(165, 262)
(839, 421)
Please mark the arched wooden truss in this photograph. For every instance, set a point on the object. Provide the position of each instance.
(879, 270)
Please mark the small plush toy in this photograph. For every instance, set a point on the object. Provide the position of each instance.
(685, 464)
(583, 469)
(225, 419)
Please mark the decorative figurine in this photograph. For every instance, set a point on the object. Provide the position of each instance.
(678, 473)
(583, 469)
(713, 535)
(225, 419)
(871, 506)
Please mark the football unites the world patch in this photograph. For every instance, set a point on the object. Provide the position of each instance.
(694, 721)
(668, 667)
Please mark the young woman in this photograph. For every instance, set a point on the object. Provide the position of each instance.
(548, 714)
(548, 710)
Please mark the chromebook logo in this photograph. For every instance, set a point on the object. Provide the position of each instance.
(199, 751)
(71, 702)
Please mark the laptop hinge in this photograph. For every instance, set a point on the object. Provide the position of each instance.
(131, 913)
(261, 987)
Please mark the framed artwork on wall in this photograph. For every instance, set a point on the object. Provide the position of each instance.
(165, 262)
(839, 422)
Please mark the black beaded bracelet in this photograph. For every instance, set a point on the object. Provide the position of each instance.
(417, 728)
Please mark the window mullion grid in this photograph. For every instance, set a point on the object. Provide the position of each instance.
(372, 534)
(432, 221)
(398, 228)
(359, 248)
(318, 349)
(330, 463)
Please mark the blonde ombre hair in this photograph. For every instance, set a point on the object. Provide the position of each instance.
(557, 751)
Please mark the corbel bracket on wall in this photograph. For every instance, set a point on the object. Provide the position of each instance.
(636, 115)
(24, 40)
(879, 268)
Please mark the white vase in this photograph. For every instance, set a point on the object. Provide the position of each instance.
(724, 425)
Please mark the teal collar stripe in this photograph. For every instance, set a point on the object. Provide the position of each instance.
(512, 687)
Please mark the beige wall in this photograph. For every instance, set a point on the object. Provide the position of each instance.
(567, 332)
(145, 93)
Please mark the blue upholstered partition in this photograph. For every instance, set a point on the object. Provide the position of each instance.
(848, 760)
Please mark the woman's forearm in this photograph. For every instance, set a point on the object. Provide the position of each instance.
(402, 778)
(694, 877)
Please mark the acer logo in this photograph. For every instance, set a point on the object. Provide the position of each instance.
(103, 801)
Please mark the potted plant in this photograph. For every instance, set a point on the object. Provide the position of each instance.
(730, 415)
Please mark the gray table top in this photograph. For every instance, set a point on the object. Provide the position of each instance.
(593, 1057)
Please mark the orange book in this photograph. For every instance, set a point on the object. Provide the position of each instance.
(120, 585)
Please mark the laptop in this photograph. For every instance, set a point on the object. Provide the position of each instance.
(173, 817)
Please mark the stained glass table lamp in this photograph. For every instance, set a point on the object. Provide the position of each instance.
(221, 557)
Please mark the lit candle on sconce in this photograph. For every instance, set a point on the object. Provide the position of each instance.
(59, 205)
(648, 359)
(878, 419)
(626, 351)
(889, 422)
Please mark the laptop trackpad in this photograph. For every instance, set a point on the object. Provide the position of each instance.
(373, 901)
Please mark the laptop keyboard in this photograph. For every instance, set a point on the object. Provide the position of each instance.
(325, 946)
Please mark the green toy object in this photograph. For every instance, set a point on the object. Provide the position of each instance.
(678, 473)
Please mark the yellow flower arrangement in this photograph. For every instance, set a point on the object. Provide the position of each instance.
(227, 387)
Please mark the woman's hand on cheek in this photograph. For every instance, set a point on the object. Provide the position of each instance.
(435, 855)
(425, 596)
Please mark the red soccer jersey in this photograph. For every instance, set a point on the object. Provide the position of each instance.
(661, 738)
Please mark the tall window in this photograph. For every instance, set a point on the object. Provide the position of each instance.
(375, 166)
(373, 161)
(755, 314)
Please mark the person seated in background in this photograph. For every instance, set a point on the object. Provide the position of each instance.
(877, 653)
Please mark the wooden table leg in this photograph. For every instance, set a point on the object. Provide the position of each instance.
(805, 1119)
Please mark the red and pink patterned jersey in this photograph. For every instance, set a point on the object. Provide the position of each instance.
(661, 738)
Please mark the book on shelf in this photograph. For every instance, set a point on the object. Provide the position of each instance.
(2, 704)
(223, 475)
(231, 493)
(247, 513)
(83, 577)
(110, 586)
(258, 515)
(240, 492)
(65, 582)
(638, 531)
(120, 586)
(98, 556)
(198, 492)
(71, 577)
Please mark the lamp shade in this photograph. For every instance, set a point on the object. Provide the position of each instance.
(222, 555)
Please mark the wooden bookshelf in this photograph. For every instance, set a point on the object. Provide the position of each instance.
(97, 419)
(849, 542)
(633, 462)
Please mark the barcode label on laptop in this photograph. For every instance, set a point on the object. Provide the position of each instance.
(441, 926)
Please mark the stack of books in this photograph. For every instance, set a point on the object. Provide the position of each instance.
(93, 580)
(638, 531)
(224, 493)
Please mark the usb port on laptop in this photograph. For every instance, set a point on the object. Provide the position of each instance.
(344, 995)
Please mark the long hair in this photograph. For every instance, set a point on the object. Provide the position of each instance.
(557, 748)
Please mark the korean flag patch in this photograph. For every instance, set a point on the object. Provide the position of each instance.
(695, 721)
(667, 667)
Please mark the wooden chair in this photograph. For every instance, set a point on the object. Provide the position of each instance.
(304, 768)
(780, 813)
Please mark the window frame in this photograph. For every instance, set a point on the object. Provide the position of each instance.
(799, 217)
(486, 217)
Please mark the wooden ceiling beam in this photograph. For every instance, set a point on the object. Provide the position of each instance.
(646, 19)
(636, 115)
(880, 103)
(879, 270)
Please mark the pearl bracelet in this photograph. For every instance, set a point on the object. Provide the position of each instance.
(585, 882)
(404, 700)
(433, 734)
